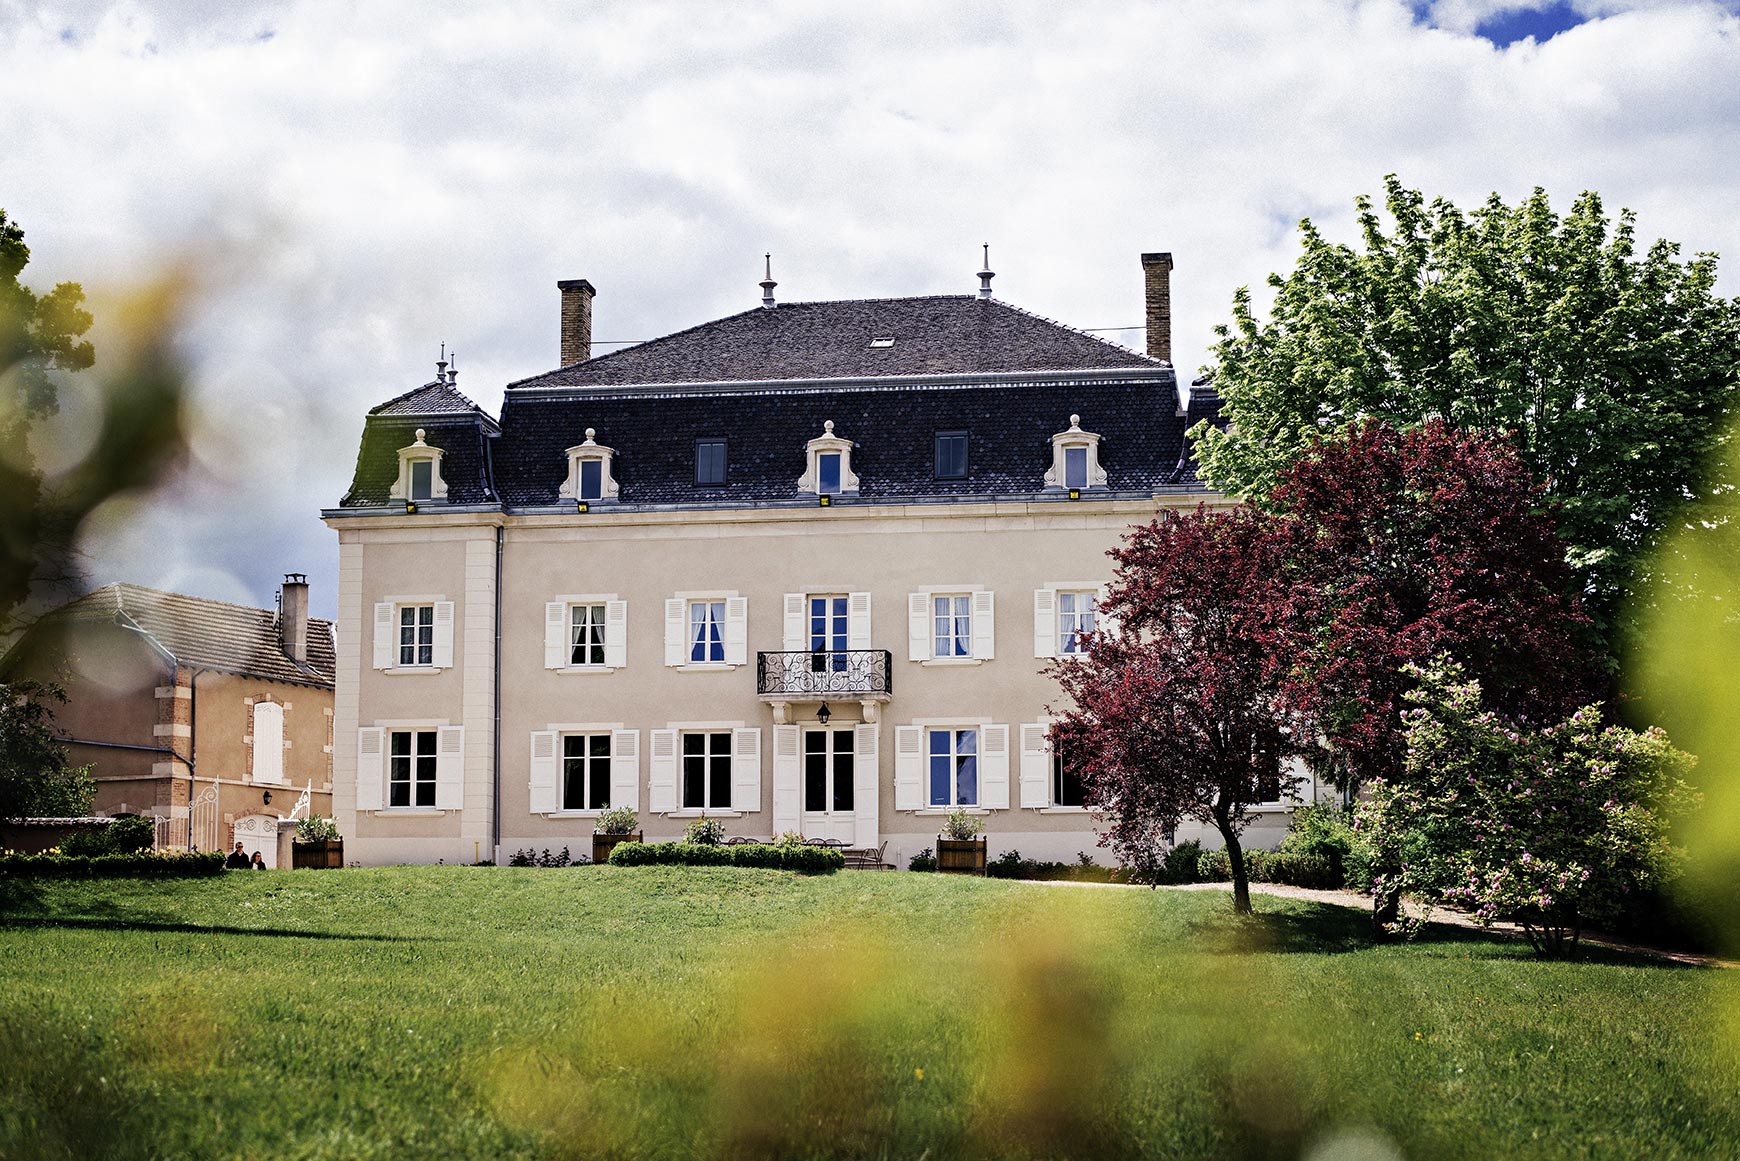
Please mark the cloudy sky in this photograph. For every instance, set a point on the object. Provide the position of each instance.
(360, 182)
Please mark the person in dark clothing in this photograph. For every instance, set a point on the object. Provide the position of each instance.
(259, 863)
(237, 861)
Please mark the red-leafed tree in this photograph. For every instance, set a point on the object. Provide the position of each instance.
(1406, 546)
(1179, 715)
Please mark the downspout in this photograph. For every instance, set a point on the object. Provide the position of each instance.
(495, 744)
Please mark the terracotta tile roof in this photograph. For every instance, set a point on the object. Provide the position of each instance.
(935, 335)
(211, 634)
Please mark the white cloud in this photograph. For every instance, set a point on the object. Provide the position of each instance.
(367, 181)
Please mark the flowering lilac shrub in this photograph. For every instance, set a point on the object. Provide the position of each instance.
(1548, 827)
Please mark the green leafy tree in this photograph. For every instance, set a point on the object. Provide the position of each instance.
(35, 780)
(1550, 828)
(1614, 372)
(138, 433)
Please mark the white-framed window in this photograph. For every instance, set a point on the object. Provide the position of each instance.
(414, 634)
(267, 731)
(706, 770)
(590, 477)
(1075, 459)
(705, 767)
(1065, 611)
(951, 625)
(585, 633)
(585, 772)
(706, 630)
(952, 769)
(830, 757)
(584, 768)
(826, 625)
(410, 766)
(828, 465)
(419, 478)
(1066, 787)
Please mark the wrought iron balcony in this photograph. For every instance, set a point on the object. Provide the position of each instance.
(843, 674)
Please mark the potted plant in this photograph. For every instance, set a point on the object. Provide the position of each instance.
(317, 844)
(960, 848)
(614, 826)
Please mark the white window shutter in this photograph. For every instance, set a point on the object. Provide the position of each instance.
(736, 630)
(443, 634)
(386, 636)
(450, 763)
(1035, 765)
(787, 774)
(556, 651)
(268, 734)
(616, 634)
(1044, 622)
(746, 769)
(676, 625)
(797, 637)
(371, 767)
(918, 629)
(908, 768)
(994, 767)
(543, 776)
(661, 782)
(1104, 622)
(858, 620)
(984, 625)
(625, 769)
(866, 788)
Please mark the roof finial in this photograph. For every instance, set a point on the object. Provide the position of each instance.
(441, 365)
(767, 285)
(453, 370)
(986, 274)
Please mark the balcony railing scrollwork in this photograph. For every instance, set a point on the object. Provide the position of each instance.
(824, 674)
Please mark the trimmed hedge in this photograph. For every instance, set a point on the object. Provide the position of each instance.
(139, 865)
(1314, 871)
(803, 860)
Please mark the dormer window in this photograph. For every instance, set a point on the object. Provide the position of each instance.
(1075, 459)
(589, 472)
(419, 473)
(828, 470)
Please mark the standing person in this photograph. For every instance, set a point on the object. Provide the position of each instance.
(259, 864)
(236, 860)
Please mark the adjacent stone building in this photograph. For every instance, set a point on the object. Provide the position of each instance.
(798, 569)
(213, 718)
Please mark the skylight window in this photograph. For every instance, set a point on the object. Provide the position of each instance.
(882, 341)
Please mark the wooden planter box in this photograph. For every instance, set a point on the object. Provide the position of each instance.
(603, 844)
(960, 856)
(320, 855)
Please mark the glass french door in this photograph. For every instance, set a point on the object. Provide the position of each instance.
(827, 634)
(828, 783)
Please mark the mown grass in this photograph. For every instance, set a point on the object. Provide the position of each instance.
(685, 1012)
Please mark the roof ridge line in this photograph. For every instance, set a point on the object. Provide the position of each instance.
(186, 597)
(470, 402)
(1121, 348)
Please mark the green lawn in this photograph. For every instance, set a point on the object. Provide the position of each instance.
(444, 1011)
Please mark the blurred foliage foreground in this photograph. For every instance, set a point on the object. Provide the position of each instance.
(668, 1012)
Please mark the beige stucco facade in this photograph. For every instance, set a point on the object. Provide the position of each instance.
(755, 558)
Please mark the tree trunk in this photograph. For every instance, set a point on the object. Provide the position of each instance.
(1386, 909)
(1235, 857)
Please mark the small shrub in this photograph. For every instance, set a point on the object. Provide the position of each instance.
(1314, 871)
(1008, 865)
(1323, 831)
(790, 838)
(1180, 864)
(316, 829)
(924, 860)
(1213, 867)
(525, 858)
(961, 826)
(617, 820)
(704, 832)
(546, 859)
(803, 860)
(130, 833)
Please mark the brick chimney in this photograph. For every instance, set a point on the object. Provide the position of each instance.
(1157, 281)
(576, 320)
(293, 616)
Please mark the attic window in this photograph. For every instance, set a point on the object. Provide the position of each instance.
(589, 472)
(1075, 460)
(419, 473)
(882, 341)
(828, 465)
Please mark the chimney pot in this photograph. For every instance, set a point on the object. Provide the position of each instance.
(1157, 282)
(576, 320)
(293, 617)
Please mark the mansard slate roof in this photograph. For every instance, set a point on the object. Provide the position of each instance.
(766, 380)
(206, 633)
(935, 335)
(449, 420)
